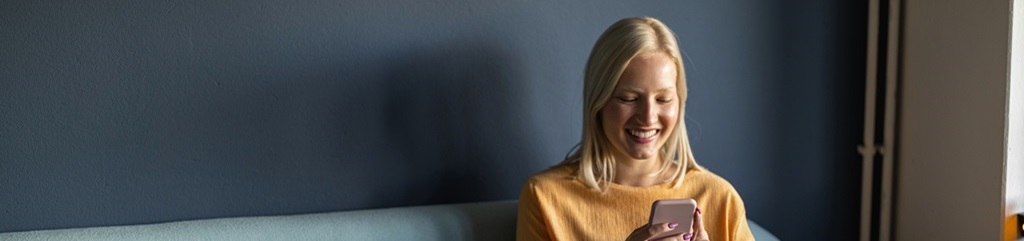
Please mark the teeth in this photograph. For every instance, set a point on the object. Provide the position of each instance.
(643, 134)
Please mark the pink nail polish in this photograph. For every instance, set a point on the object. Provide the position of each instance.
(687, 236)
(672, 225)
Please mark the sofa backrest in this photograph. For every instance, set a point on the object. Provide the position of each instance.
(471, 221)
(468, 221)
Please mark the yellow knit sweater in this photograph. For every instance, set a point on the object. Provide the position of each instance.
(556, 205)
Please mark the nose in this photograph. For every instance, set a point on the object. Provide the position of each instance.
(647, 112)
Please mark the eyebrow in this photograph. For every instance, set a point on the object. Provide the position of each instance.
(636, 90)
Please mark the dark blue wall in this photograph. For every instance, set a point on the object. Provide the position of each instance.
(126, 112)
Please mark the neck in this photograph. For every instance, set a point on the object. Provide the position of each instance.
(638, 173)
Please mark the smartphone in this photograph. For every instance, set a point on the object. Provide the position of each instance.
(673, 211)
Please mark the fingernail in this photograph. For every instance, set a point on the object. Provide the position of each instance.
(672, 225)
(698, 210)
(687, 236)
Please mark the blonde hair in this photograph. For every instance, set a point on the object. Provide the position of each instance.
(618, 45)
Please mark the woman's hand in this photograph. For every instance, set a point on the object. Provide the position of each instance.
(699, 233)
(646, 232)
(696, 232)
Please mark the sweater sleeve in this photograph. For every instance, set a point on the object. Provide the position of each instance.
(739, 229)
(530, 224)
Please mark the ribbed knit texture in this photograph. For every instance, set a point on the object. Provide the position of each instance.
(556, 205)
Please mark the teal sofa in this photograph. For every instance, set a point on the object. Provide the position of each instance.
(468, 221)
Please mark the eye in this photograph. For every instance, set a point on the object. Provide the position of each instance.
(664, 100)
(627, 99)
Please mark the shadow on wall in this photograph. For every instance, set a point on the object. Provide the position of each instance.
(457, 118)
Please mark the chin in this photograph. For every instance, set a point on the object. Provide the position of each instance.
(643, 156)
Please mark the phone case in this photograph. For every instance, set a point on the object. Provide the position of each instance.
(673, 211)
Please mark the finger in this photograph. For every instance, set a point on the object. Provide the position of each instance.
(671, 238)
(656, 229)
(698, 225)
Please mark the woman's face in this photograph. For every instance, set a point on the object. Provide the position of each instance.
(643, 108)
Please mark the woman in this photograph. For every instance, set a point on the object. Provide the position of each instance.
(634, 151)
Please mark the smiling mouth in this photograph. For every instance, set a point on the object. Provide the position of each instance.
(642, 134)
